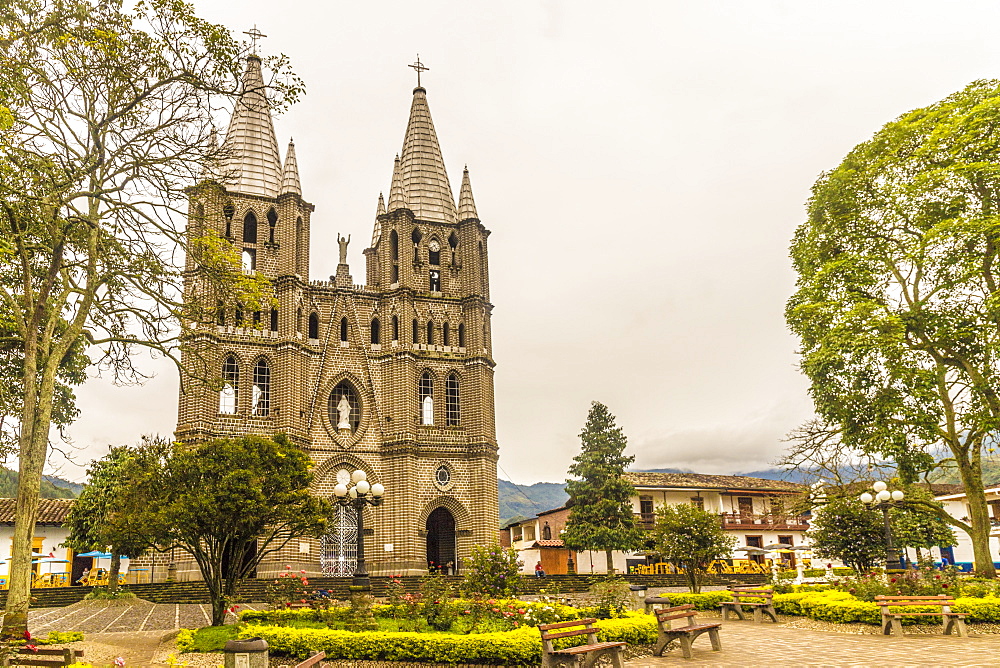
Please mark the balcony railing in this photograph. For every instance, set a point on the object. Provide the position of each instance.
(740, 521)
(760, 521)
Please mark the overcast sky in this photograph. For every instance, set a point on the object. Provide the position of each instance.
(642, 166)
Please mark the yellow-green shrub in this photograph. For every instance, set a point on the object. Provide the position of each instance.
(185, 640)
(706, 600)
(512, 648)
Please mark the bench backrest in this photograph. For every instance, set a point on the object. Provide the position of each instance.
(895, 601)
(23, 656)
(587, 630)
(664, 615)
(312, 660)
(766, 594)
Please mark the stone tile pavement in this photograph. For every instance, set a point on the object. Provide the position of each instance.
(747, 644)
(136, 631)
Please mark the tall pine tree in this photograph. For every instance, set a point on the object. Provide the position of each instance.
(601, 516)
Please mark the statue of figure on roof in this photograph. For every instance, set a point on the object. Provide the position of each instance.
(343, 241)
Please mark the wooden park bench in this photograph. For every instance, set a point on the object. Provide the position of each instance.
(42, 656)
(684, 634)
(570, 656)
(892, 619)
(312, 661)
(750, 598)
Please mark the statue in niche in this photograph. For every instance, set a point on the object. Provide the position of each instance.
(344, 410)
(343, 241)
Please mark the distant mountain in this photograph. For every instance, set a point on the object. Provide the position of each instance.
(529, 500)
(51, 487)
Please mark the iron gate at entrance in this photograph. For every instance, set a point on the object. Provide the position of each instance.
(339, 548)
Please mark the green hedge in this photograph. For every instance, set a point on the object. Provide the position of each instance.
(512, 648)
(840, 607)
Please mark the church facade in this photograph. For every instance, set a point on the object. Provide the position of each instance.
(393, 376)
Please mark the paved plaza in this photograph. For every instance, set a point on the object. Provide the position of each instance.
(142, 634)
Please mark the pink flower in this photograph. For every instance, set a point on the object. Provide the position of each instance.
(287, 567)
(27, 635)
(120, 661)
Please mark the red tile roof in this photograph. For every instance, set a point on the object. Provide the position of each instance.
(50, 511)
(548, 543)
(703, 481)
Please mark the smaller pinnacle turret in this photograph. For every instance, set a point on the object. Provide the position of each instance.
(396, 198)
(377, 231)
(290, 175)
(466, 204)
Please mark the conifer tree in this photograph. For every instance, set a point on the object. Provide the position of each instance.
(601, 516)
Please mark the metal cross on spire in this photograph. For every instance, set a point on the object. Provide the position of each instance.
(254, 35)
(419, 67)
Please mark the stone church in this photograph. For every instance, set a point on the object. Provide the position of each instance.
(393, 375)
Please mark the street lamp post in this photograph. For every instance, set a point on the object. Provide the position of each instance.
(359, 494)
(883, 499)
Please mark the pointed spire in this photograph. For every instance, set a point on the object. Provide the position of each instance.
(466, 205)
(396, 198)
(377, 230)
(252, 166)
(290, 175)
(426, 188)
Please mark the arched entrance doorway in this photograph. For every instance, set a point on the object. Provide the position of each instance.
(441, 552)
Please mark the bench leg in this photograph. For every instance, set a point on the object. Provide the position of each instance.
(770, 612)
(661, 645)
(713, 635)
(685, 645)
(955, 623)
(616, 658)
(758, 616)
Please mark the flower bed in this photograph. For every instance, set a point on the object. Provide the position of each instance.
(841, 607)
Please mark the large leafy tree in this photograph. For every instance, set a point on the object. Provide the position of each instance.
(106, 116)
(848, 530)
(918, 521)
(690, 538)
(103, 516)
(898, 299)
(229, 503)
(601, 517)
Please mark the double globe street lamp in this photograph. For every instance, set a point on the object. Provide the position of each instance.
(358, 493)
(883, 499)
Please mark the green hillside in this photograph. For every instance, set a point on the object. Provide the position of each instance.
(52, 487)
(529, 500)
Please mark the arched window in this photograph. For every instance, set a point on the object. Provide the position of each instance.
(395, 328)
(199, 212)
(220, 313)
(453, 241)
(446, 334)
(250, 228)
(416, 236)
(546, 532)
(313, 325)
(229, 211)
(298, 320)
(249, 259)
(344, 407)
(343, 329)
(261, 400)
(430, 332)
(434, 278)
(274, 320)
(453, 415)
(426, 398)
(394, 255)
(415, 329)
(256, 319)
(239, 315)
(461, 335)
(376, 331)
(229, 393)
(272, 223)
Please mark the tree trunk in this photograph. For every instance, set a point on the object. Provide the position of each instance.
(979, 519)
(611, 564)
(116, 565)
(36, 416)
(692, 576)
